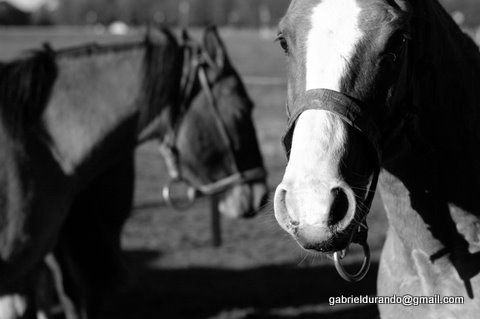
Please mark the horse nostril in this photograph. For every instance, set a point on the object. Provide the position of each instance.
(294, 223)
(339, 207)
(285, 218)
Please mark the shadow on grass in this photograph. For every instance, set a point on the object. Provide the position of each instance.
(204, 293)
(368, 312)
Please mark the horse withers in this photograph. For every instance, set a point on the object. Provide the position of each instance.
(70, 121)
(389, 84)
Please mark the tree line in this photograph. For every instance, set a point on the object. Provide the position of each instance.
(171, 12)
(240, 13)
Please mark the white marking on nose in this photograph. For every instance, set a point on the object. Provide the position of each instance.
(313, 169)
(331, 42)
(318, 142)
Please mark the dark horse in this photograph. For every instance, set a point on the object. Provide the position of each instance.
(390, 84)
(70, 121)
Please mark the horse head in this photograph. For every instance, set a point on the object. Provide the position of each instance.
(347, 72)
(216, 141)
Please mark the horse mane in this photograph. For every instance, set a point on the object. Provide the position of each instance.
(446, 76)
(453, 57)
(163, 72)
(25, 88)
(466, 42)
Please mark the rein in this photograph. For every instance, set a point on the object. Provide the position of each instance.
(350, 111)
(195, 68)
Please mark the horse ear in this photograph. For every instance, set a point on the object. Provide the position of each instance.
(215, 47)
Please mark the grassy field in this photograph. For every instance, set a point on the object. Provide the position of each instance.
(259, 272)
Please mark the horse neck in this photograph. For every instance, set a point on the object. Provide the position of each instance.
(440, 154)
(99, 103)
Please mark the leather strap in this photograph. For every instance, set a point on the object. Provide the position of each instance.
(348, 109)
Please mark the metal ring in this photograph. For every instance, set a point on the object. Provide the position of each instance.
(338, 256)
(179, 205)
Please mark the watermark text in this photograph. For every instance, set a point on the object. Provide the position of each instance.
(405, 300)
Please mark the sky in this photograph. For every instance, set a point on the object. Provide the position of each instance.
(30, 5)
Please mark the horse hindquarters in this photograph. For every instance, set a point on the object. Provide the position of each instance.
(89, 249)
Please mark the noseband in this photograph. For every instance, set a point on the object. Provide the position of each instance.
(351, 112)
(195, 64)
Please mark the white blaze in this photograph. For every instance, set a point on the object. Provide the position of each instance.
(331, 42)
(319, 138)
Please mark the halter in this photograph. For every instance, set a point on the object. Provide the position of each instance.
(195, 68)
(350, 111)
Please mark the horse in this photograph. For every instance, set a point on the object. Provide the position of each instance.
(385, 92)
(70, 121)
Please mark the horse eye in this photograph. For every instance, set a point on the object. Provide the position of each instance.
(283, 42)
(401, 38)
(396, 46)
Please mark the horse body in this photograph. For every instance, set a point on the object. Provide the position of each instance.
(408, 69)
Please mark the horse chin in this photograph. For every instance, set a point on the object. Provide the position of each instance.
(243, 201)
(320, 221)
(337, 241)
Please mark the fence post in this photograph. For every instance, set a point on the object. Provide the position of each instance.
(216, 222)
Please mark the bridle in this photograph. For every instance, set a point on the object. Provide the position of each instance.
(196, 61)
(350, 111)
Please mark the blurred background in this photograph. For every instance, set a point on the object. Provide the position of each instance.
(258, 271)
(236, 13)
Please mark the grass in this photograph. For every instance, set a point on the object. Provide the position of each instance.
(259, 272)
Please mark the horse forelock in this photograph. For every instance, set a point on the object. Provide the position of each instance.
(25, 88)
